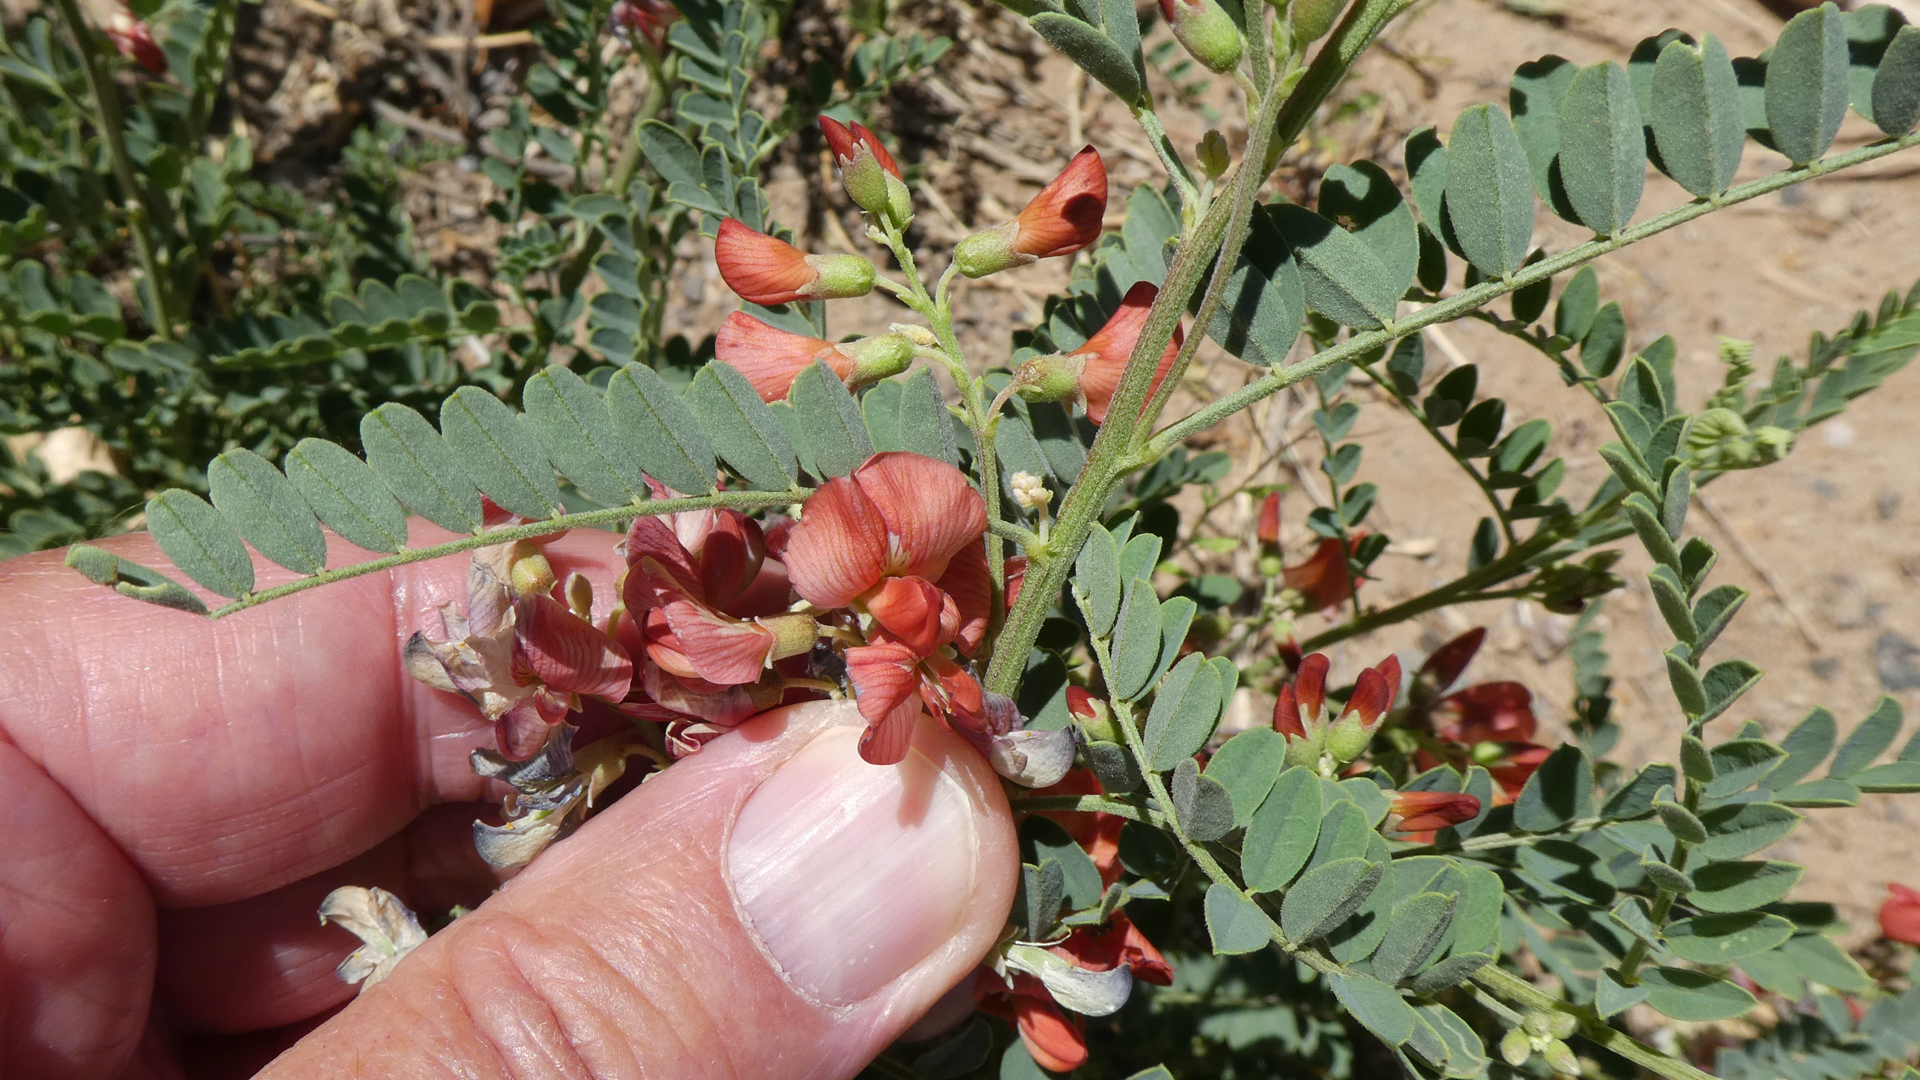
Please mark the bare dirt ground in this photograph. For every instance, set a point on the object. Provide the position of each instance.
(1827, 540)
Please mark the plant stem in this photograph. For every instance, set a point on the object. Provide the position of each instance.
(1092, 804)
(140, 207)
(738, 500)
(1464, 303)
(1516, 989)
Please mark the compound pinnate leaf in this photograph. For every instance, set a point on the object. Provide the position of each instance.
(1603, 149)
(268, 510)
(1247, 765)
(1281, 836)
(1340, 274)
(1741, 886)
(830, 422)
(415, 463)
(1722, 939)
(746, 433)
(347, 495)
(1489, 191)
(1806, 87)
(1324, 897)
(1695, 116)
(572, 422)
(1096, 581)
(1376, 1005)
(1184, 710)
(1414, 932)
(200, 542)
(1559, 791)
(1363, 198)
(1694, 995)
(1896, 87)
(1136, 643)
(1234, 923)
(501, 455)
(661, 430)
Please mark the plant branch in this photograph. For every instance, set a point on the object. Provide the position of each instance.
(1516, 989)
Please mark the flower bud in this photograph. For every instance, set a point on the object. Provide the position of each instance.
(1050, 378)
(1206, 31)
(1560, 1058)
(532, 573)
(793, 635)
(1094, 717)
(1311, 19)
(580, 595)
(1028, 490)
(1033, 759)
(877, 357)
(1516, 1047)
(135, 41)
(1373, 695)
(1061, 220)
(1213, 155)
(766, 270)
(919, 335)
(871, 176)
(1562, 1025)
(1539, 1024)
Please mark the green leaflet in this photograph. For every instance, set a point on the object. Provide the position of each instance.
(1363, 198)
(1578, 306)
(1695, 116)
(1603, 151)
(1741, 886)
(200, 542)
(1869, 740)
(1096, 581)
(1234, 923)
(1414, 932)
(500, 454)
(1807, 745)
(1043, 887)
(1610, 998)
(1534, 98)
(1806, 87)
(1184, 711)
(1204, 807)
(1376, 1005)
(1694, 995)
(1738, 764)
(1281, 835)
(1559, 791)
(346, 495)
(1264, 300)
(1427, 176)
(1093, 52)
(1450, 972)
(744, 431)
(416, 465)
(926, 428)
(661, 430)
(1722, 939)
(671, 154)
(572, 422)
(830, 422)
(1136, 643)
(1339, 273)
(1080, 878)
(1489, 191)
(1605, 342)
(269, 512)
(1247, 766)
(1466, 1055)
(1176, 617)
(1323, 898)
(1896, 87)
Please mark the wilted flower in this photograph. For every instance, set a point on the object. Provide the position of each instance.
(767, 270)
(1900, 915)
(771, 358)
(135, 41)
(1317, 739)
(1061, 220)
(872, 179)
(386, 927)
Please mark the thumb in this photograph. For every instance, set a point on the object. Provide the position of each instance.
(773, 906)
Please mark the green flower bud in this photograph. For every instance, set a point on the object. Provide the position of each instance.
(1560, 1058)
(990, 251)
(899, 209)
(1213, 155)
(1516, 1047)
(1205, 29)
(1538, 1024)
(1311, 19)
(1348, 738)
(1562, 1025)
(1309, 752)
(1772, 443)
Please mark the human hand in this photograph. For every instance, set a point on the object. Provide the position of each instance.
(182, 794)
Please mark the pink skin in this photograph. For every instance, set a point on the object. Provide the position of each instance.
(158, 765)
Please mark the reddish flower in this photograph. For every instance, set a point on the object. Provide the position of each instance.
(1120, 943)
(1485, 712)
(847, 145)
(1514, 768)
(135, 41)
(1016, 570)
(766, 270)
(1057, 1039)
(772, 358)
(1324, 581)
(1316, 738)
(647, 18)
(1066, 215)
(1268, 531)
(1900, 915)
(1105, 353)
(1424, 811)
(1442, 669)
(1062, 219)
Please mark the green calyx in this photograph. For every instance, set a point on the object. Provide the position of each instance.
(989, 251)
(1719, 439)
(1207, 32)
(841, 276)
(1049, 378)
(1311, 19)
(877, 357)
(875, 190)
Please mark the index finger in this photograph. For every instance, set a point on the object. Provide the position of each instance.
(229, 757)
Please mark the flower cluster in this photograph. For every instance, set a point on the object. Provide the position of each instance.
(1487, 724)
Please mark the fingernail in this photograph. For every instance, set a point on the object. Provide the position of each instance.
(850, 873)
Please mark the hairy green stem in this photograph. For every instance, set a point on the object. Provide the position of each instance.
(1464, 303)
(1089, 804)
(737, 500)
(141, 206)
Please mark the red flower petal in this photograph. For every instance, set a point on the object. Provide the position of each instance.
(914, 611)
(971, 587)
(1016, 571)
(835, 552)
(650, 538)
(1514, 770)
(762, 269)
(930, 511)
(521, 731)
(845, 144)
(1268, 531)
(568, 653)
(1065, 216)
(883, 677)
(772, 358)
(1449, 660)
(1286, 714)
(1310, 685)
(1108, 349)
(1371, 696)
(1486, 712)
(730, 556)
(1080, 703)
(1420, 811)
(1324, 580)
(721, 650)
(1057, 1040)
(1900, 915)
